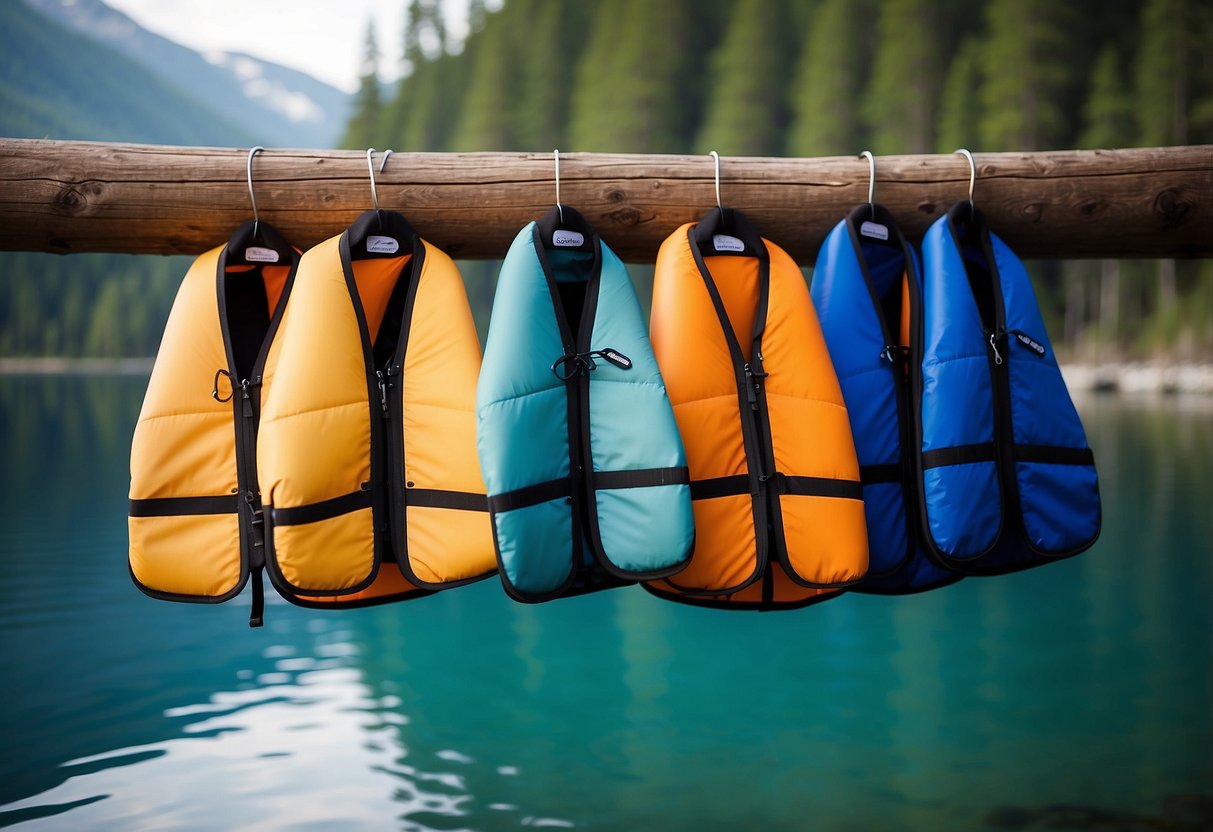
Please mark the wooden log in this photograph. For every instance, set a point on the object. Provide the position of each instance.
(88, 196)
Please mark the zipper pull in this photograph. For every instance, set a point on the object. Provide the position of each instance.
(994, 346)
(247, 404)
(382, 392)
(1029, 342)
(616, 357)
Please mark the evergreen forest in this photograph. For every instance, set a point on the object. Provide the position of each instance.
(798, 78)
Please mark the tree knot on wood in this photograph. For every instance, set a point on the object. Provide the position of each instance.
(1033, 211)
(1171, 207)
(627, 217)
(75, 200)
(1091, 207)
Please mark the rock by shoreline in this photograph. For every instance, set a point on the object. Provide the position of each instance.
(1140, 378)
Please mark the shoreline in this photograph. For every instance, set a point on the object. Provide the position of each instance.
(1133, 378)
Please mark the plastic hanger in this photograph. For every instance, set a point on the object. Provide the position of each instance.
(255, 242)
(726, 231)
(578, 233)
(379, 232)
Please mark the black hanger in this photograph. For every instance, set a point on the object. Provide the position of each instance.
(380, 233)
(257, 243)
(562, 218)
(733, 225)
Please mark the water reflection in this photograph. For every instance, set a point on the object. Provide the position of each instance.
(1085, 682)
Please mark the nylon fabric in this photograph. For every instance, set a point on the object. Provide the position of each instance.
(867, 294)
(737, 422)
(553, 308)
(982, 384)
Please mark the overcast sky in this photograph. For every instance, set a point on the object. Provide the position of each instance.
(320, 37)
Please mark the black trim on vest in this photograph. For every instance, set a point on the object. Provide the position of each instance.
(710, 489)
(437, 498)
(530, 495)
(906, 355)
(721, 602)
(641, 477)
(181, 506)
(323, 510)
(959, 455)
(743, 377)
(1054, 455)
(875, 474)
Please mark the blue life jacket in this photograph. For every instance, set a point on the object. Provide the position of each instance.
(866, 288)
(1008, 480)
(586, 473)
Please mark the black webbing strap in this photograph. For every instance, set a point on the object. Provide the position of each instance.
(642, 477)
(436, 498)
(531, 495)
(720, 487)
(324, 510)
(257, 560)
(816, 487)
(256, 616)
(181, 506)
(1054, 455)
(958, 455)
(872, 474)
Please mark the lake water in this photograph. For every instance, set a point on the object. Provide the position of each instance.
(1068, 696)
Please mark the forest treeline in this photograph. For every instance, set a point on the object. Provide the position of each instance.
(748, 77)
(830, 77)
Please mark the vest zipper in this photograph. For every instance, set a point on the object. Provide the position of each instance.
(246, 468)
(391, 412)
(1000, 377)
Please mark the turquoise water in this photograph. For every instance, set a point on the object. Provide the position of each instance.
(1087, 683)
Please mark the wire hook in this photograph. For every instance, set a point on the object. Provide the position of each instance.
(716, 160)
(370, 166)
(867, 154)
(559, 207)
(251, 196)
(972, 173)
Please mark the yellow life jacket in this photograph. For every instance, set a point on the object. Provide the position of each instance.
(779, 517)
(195, 518)
(367, 450)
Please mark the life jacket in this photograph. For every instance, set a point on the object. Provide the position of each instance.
(866, 289)
(778, 511)
(586, 473)
(1008, 480)
(195, 523)
(367, 446)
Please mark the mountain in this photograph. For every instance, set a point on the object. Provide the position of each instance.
(58, 84)
(275, 105)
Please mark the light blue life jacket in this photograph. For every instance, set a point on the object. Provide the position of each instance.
(1008, 480)
(866, 288)
(586, 473)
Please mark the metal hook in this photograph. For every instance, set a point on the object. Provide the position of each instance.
(716, 159)
(383, 162)
(370, 166)
(972, 172)
(871, 180)
(559, 207)
(251, 196)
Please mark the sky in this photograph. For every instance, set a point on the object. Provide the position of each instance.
(323, 38)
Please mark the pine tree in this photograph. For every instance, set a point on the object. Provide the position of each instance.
(827, 81)
(1108, 111)
(1174, 72)
(1023, 75)
(899, 104)
(368, 105)
(485, 119)
(958, 108)
(629, 93)
(747, 111)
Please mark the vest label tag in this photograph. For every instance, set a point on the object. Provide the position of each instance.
(568, 239)
(727, 242)
(258, 254)
(874, 230)
(376, 244)
(1031, 343)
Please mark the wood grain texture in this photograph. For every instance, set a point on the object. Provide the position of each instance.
(90, 196)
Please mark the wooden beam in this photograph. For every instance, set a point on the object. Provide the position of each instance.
(88, 196)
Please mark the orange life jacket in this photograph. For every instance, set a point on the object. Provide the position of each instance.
(195, 521)
(779, 517)
(367, 450)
